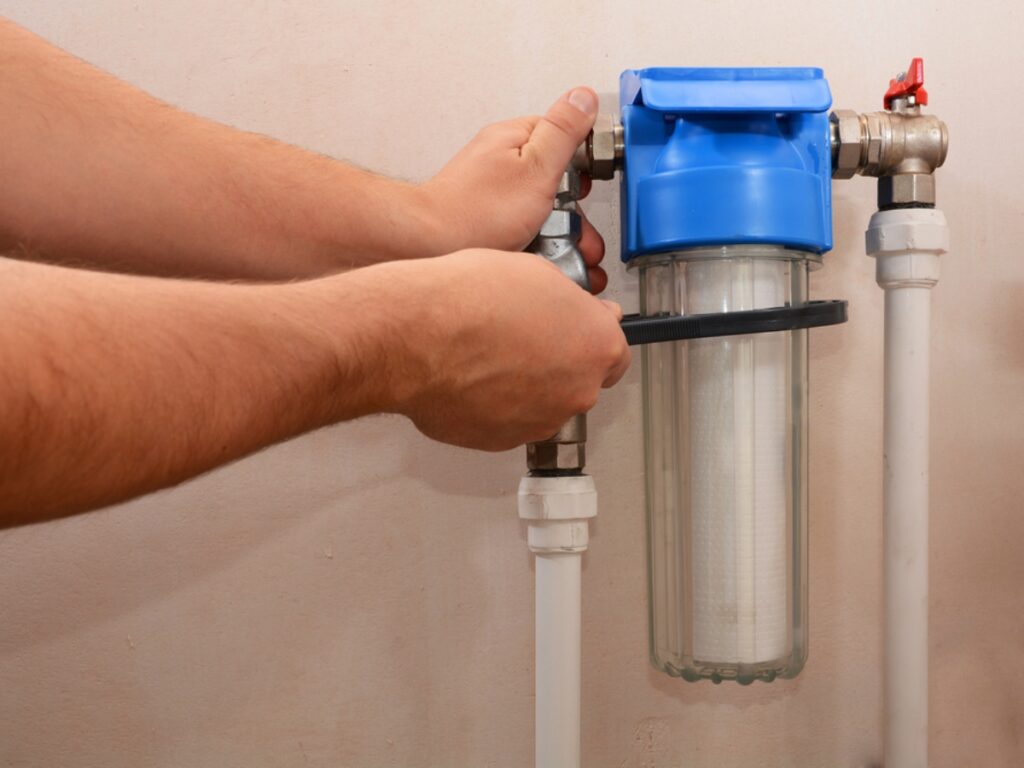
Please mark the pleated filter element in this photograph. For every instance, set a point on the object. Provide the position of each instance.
(738, 490)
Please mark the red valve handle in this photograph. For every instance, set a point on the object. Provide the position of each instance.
(912, 84)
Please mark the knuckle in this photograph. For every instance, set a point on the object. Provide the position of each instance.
(615, 353)
(612, 344)
(585, 401)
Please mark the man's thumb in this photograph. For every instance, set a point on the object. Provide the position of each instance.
(561, 130)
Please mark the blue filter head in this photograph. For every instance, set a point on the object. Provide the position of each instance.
(725, 156)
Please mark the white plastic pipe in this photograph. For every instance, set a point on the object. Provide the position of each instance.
(907, 245)
(558, 510)
(558, 660)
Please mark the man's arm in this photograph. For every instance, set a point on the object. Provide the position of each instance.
(99, 173)
(113, 386)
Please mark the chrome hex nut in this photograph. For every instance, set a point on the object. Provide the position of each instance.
(602, 147)
(847, 135)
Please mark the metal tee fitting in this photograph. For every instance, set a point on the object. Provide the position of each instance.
(901, 146)
(903, 149)
(886, 143)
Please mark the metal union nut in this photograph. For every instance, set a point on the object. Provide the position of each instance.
(573, 431)
(566, 449)
(906, 188)
(846, 134)
(879, 143)
(555, 456)
(602, 148)
(600, 154)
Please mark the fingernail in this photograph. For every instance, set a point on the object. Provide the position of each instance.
(584, 100)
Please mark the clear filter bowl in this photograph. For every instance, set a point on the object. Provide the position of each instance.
(726, 455)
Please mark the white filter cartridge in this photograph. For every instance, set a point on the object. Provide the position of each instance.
(725, 425)
(738, 491)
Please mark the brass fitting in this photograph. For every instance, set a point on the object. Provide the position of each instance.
(901, 145)
(887, 143)
(601, 154)
(564, 451)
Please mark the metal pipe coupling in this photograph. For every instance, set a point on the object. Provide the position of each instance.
(601, 154)
(565, 452)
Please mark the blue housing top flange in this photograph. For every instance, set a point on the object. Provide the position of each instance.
(725, 156)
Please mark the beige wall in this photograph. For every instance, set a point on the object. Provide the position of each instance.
(362, 597)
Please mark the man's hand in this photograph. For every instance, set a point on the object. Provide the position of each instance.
(114, 386)
(499, 348)
(221, 203)
(498, 190)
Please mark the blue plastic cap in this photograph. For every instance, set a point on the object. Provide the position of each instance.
(725, 156)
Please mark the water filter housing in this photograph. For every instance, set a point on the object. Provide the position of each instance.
(725, 156)
(726, 204)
